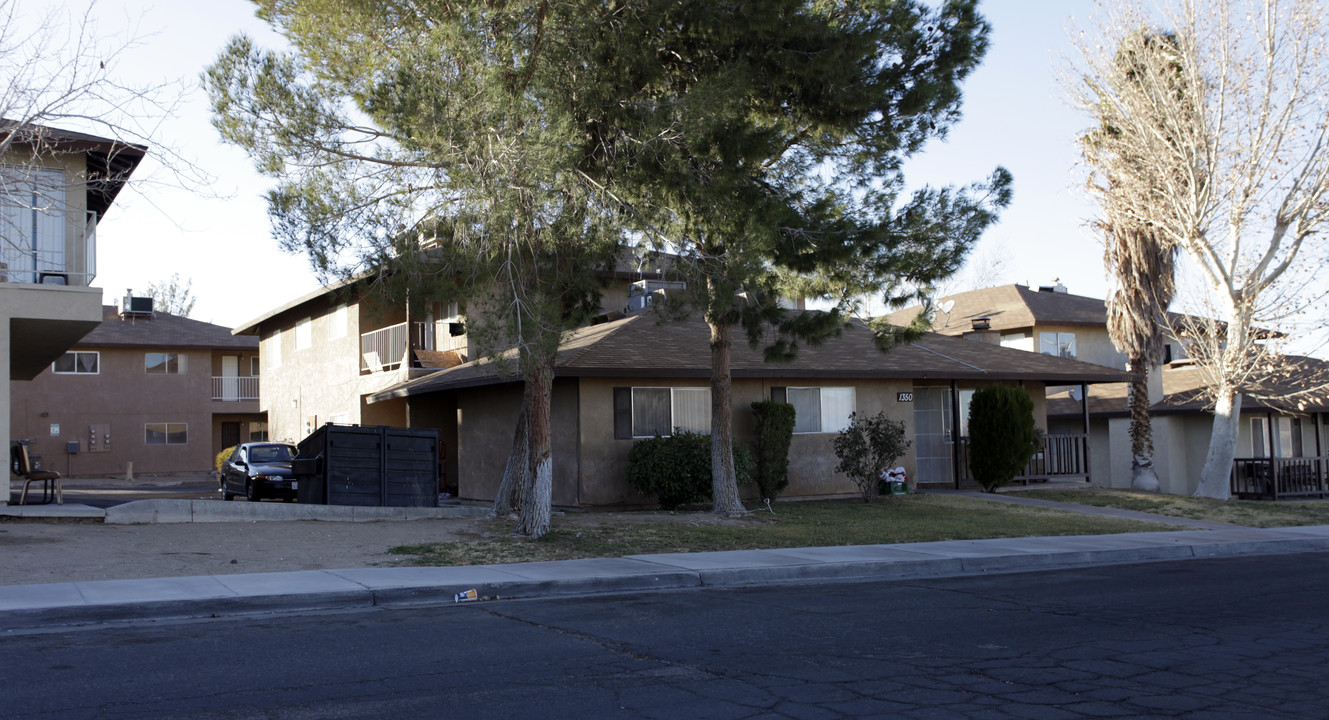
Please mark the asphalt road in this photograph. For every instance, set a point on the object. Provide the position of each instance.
(1240, 638)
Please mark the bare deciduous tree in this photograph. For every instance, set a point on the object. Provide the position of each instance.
(1236, 166)
(171, 296)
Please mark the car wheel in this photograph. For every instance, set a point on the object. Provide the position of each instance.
(251, 491)
(227, 495)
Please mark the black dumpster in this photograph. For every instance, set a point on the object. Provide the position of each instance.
(374, 466)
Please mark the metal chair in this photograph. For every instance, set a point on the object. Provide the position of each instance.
(21, 465)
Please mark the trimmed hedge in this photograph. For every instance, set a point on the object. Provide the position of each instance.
(677, 469)
(1001, 434)
(775, 433)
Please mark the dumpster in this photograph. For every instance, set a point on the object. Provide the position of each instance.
(372, 466)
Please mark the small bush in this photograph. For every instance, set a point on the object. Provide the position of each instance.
(868, 448)
(1001, 434)
(221, 458)
(775, 432)
(677, 469)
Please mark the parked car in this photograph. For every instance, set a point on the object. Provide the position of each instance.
(259, 470)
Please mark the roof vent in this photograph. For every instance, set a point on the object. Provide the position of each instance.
(982, 323)
(136, 306)
(1055, 288)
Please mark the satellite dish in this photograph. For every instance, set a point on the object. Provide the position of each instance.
(946, 306)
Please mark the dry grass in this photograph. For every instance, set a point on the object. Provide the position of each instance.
(1250, 513)
(894, 519)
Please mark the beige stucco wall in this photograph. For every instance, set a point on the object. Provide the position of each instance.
(76, 202)
(486, 419)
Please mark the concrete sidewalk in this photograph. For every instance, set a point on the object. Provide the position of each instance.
(63, 604)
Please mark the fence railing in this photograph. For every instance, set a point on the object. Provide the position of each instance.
(1065, 456)
(1274, 478)
(383, 349)
(438, 336)
(234, 389)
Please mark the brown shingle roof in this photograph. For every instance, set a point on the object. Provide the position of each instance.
(164, 331)
(638, 346)
(1183, 387)
(1011, 307)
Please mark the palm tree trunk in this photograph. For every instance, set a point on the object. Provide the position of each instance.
(1143, 476)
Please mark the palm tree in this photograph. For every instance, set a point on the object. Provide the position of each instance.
(1139, 256)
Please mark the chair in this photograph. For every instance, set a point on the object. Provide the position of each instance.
(20, 465)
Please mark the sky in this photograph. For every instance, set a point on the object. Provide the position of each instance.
(220, 240)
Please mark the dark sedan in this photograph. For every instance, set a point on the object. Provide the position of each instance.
(259, 470)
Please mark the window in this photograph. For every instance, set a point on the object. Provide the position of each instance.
(258, 431)
(161, 363)
(1287, 437)
(32, 223)
(1059, 344)
(253, 366)
(272, 350)
(821, 409)
(77, 363)
(166, 434)
(304, 335)
(337, 323)
(1017, 340)
(650, 411)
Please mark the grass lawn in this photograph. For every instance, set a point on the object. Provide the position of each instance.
(1251, 513)
(893, 519)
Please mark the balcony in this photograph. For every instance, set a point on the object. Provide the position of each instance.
(386, 349)
(234, 389)
(44, 261)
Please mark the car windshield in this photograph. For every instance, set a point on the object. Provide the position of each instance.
(269, 453)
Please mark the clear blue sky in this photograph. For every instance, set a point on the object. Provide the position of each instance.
(1014, 116)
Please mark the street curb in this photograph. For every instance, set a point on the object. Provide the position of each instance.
(142, 512)
(29, 607)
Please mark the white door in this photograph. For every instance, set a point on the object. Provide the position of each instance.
(932, 435)
(230, 381)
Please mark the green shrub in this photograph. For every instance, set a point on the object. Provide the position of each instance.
(221, 458)
(1001, 434)
(868, 448)
(775, 432)
(677, 469)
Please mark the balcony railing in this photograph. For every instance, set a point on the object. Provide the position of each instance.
(1274, 478)
(383, 349)
(45, 262)
(234, 389)
(1065, 456)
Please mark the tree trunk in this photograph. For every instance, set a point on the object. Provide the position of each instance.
(724, 484)
(516, 475)
(536, 506)
(1143, 476)
(1215, 479)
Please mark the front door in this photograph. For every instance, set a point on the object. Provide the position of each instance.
(932, 435)
(230, 380)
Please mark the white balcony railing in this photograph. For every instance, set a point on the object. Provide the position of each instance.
(45, 261)
(234, 389)
(383, 349)
(437, 335)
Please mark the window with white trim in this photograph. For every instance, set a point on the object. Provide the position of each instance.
(77, 363)
(641, 412)
(32, 223)
(166, 434)
(337, 323)
(1058, 344)
(304, 334)
(272, 350)
(821, 409)
(164, 363)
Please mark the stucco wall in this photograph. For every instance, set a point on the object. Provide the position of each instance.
(486, 419)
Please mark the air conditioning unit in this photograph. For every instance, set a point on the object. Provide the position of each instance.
(643, 292)
(136, 306)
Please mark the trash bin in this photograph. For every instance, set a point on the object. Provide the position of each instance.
(377, 465)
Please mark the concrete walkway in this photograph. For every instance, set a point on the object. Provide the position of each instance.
(62, 604)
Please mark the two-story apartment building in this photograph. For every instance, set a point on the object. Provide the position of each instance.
(1049, 320)
(55, 187)
(162, 392)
